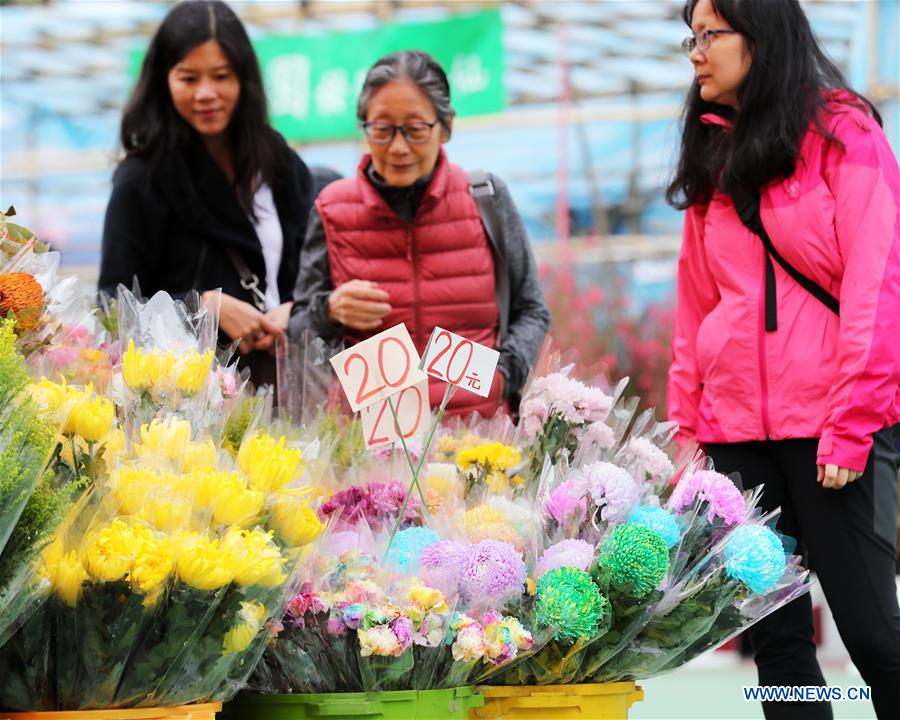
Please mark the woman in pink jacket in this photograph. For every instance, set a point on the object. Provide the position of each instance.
(787, 339)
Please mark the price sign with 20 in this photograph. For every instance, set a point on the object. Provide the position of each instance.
(461, 362)
(412, 408)
(379, 367)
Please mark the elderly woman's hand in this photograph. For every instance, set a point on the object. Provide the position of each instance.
(359, 304)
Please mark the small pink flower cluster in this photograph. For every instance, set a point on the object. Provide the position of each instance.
(649, 458)
(573, 401)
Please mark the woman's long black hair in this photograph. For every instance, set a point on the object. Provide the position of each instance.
(152, 128)
(784, 91)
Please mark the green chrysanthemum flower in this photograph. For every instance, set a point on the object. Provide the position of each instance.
(568, 599)
(636, 559)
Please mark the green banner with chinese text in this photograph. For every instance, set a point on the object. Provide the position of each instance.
(313, 81)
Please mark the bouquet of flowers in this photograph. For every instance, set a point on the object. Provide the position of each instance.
(559, 413)
(31, 294)
(750, 573)
(169, 350)
(45, 463)
(162, 582)
(26, 442)
(376, 621)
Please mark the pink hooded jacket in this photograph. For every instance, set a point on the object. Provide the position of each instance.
(837, 221)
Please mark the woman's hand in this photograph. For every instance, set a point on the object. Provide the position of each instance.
(359, 304)
(832, 476)
(241, 321)
(278, 317)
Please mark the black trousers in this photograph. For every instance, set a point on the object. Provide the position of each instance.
(847, 537)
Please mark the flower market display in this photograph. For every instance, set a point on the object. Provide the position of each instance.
(146, 546)
(168, 537)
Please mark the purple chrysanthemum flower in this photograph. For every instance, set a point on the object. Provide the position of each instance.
(492, 570)
(612, 489)
(440, 563)
(567, 504)
(717, 490)
(387, 498)
(571, 552)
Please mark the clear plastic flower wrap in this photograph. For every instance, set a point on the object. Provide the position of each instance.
(750, 573)
(168, 350)
(373, 619)
(474, 457)
(708, 505)
(163, 583)
(648, 452)
(306, 382)
(58, 436)
(31, 291)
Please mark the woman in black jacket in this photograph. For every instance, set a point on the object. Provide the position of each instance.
(209, 195)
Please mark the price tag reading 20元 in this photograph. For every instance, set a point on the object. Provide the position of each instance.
(376, 368)
(455, 360)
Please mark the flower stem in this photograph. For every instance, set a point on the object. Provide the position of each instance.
(416, 469)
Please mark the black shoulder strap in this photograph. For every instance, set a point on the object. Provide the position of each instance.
(747, 206)
(249, 280)
(482, 189)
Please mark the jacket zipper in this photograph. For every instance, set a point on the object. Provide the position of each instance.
(761, 344)
(413, 256)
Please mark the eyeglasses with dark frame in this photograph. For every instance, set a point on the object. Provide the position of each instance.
(415, 133)
(702, 40)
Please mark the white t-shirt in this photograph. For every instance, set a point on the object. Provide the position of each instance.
(268, 230)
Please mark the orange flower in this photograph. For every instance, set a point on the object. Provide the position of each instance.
(22, 295)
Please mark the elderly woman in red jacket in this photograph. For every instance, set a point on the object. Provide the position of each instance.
(403, 240)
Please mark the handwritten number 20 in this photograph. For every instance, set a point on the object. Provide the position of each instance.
(384, 404)
(465, 343)
(362, 394)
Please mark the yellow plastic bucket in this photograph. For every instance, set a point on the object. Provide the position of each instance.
(206, 711)
(599, 701)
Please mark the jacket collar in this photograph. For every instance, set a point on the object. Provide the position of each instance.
(436, 189)
(840, 96)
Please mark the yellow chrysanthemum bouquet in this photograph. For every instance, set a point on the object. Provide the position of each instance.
(169, 362)
(159, 587)
(166, 575)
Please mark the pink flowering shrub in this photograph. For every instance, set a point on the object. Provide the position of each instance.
(600, 323)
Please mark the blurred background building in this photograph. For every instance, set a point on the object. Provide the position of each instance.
(575, 103)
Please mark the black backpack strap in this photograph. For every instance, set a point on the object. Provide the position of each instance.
(482, 189)
(747, 206)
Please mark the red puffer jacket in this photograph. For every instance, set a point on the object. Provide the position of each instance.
(437, 269)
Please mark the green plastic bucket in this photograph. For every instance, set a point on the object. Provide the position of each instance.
(452, 704)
